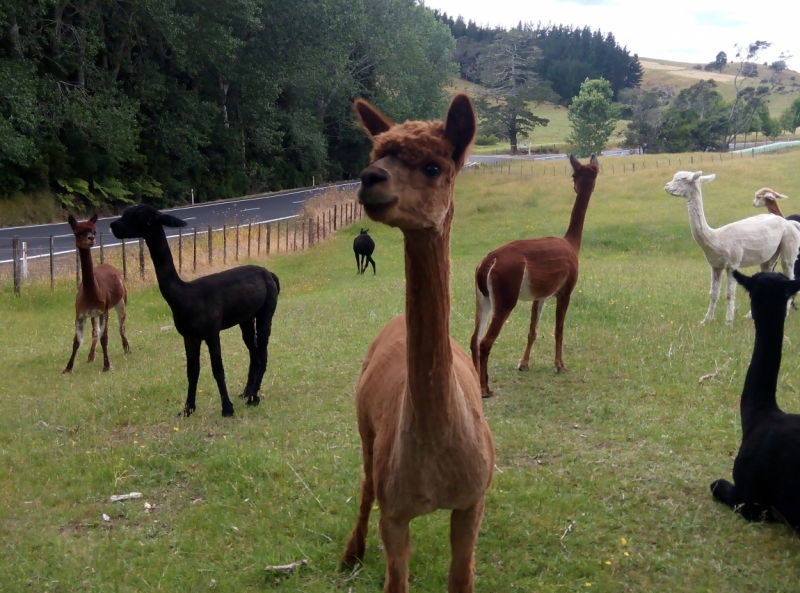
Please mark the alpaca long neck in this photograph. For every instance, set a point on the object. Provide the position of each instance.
(697, 219)
(773, 208)
(87, 273)
(574, 232)
(169, 282)
(429, 356)
(761, 381)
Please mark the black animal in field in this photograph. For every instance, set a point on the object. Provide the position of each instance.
(363, 246)
(766, 472)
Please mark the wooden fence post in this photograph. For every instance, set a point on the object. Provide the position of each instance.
(249, 232)
(269, 232)
(15, 260)
(237, 242)
(303, 235)
(102, 254)
(318, 235)
(294, 240)
(310, 231)
(287, 237)
(224, 244)
(52, 264)
(278, 238)
(335, 207)
(124, 263)
(210, 246)
(141, 258)
(180, 250)
(194, 249)
(258, 242)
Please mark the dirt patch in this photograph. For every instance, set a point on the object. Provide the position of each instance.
(686, 72)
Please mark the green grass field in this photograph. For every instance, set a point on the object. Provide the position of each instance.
(623, 447)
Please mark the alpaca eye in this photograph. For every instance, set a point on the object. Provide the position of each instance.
(432, 171)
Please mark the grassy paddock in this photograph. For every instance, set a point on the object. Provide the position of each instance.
(624, 446)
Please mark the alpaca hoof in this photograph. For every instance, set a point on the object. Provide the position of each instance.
(486, 393)
(90, 359)
(108, 368)
(253, 400)
(522, 367)
(350, 559)
(186, 412)
(561, 369)
(67, 371)
(227, 412)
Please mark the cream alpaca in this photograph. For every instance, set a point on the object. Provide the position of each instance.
(755, 241)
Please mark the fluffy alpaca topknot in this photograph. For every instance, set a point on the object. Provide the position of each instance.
(413, 142)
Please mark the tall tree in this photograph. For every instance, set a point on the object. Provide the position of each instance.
(506, 69)
(593, 117)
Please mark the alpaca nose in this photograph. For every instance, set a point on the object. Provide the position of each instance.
(372, 176)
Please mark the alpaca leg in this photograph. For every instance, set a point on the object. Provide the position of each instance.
(464, 527)
(730, 495)
(358, 540)
(358, 264)
(122, 314)
(562, 304)
(215, 352)
(95, 335)
(483, 310)
(536, 313)
(263, 332)
(397, 551)
(104, 341)
(80, 323)
(192, 348)
(371, 261)
(499, 316)
(249, 339)
(788, 259)
(725, 492)
(716, 279)
(730, 297)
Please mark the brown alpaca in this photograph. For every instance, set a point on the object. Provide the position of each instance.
(101, 289)
(531, 270)
(424, 440)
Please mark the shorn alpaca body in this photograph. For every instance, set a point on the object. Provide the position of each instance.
(363, 247)
(755, 241)
(101, 290)
(766, 197)
(530, 270)
(766, 472)
(245, 296)
(425, 442)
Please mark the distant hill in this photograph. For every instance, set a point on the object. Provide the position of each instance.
(682, 75)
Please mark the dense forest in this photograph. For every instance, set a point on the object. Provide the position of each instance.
(117, 101)
(566, 56)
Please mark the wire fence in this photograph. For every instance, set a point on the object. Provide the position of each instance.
(196, 250)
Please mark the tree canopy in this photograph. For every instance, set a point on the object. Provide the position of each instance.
(122, 100)
(593, 117)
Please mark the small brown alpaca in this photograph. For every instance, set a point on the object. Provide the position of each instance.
(530, 270)
(424, 440)
(101, 289)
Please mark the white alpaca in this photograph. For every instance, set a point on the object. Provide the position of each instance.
(755, 241)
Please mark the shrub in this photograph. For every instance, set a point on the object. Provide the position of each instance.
(486, 140)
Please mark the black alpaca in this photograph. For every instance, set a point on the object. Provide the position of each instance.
(766, 472)
(204, 307)
(363, 246)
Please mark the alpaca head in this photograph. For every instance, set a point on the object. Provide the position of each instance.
(364, 231)
(84, 232)
(764, 194)
(686, 184)
(409, 184)
(769, 293)
(584, 176)
(142, 220)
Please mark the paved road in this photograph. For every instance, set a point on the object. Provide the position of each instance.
(264, 208)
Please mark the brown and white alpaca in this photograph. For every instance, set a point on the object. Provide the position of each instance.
(769, 198)
(530, 270)
(101, 289)
(425, 442)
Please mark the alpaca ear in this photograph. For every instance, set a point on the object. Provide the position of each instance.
(746, 281)
(372, 120)
(93, 219)
(71, 220)
(696, 176)
(170, 221)
(460, 127)
(707, 178)
(576, 164)
(594, 161)
(779, 196)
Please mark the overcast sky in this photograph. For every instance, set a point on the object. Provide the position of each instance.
(680, 30)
